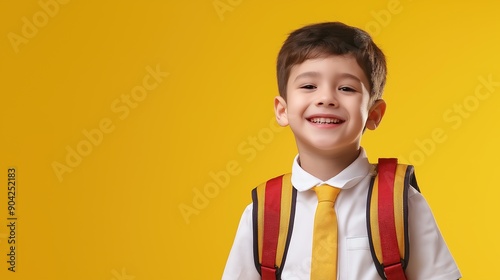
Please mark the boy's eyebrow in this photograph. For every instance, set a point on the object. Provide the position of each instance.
(313, 74)
(310, 74)
(348, 75)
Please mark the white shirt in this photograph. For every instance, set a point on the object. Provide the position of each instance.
(429, 259)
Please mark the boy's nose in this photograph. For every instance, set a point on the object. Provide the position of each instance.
(327, 98)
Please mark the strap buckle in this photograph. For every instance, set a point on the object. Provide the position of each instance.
(268, 272)
(394, 271)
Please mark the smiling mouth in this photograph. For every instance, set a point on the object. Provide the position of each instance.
(326, 120)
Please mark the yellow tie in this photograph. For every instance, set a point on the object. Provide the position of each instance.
(324, 252)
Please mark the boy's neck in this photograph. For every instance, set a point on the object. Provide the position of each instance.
(328, 166)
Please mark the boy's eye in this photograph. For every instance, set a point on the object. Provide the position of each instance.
(308, 87)
(347, 89)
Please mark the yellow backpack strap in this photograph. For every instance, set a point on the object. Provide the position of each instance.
(390, 235)
(273, 215)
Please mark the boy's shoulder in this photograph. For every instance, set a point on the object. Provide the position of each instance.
(283, 180)
(396, 170)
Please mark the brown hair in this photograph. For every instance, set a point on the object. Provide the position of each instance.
(332, 38)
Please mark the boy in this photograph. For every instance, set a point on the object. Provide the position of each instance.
(330, 79)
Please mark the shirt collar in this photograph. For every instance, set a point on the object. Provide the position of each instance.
(346, 179)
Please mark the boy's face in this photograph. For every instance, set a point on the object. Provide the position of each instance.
(328, 105)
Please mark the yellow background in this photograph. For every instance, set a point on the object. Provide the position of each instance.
(117, 214)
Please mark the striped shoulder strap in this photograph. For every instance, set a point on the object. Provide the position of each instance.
(387, 217)
(273, 216)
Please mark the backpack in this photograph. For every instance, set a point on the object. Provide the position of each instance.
(387, 220)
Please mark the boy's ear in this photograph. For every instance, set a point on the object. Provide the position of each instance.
(376, 114)
(280, 111)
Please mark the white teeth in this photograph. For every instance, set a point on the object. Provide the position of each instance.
(325, 120)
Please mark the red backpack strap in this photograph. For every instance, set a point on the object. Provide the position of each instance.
(387, 217)
(393, 267)
(273, 215)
